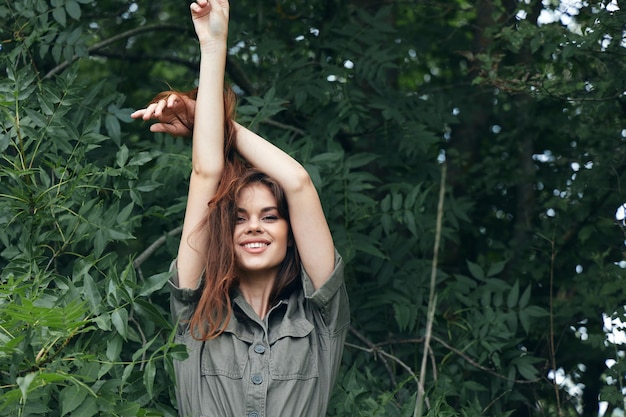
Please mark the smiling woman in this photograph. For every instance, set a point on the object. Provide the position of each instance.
(257, 287)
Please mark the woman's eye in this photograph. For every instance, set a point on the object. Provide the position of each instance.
(241, 219)
(270, 218)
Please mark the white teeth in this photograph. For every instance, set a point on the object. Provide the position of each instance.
(255, 245)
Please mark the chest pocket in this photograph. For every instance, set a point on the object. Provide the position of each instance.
(294, 351)
(226, 355)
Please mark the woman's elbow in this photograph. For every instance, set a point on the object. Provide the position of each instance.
(207, 171)
(299, 181)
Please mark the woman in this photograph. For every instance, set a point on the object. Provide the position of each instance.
(257, 286)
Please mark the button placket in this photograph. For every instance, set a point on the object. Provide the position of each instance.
(258, 376)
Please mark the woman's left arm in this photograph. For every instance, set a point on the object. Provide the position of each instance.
(308, 223)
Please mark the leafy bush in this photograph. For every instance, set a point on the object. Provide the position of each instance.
(80, 332)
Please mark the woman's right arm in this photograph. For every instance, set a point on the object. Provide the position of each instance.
(210, 18)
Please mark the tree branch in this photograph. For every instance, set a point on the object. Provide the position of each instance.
(234, 70)
(376, 351)
(153, 247)
(461, 354)
(113, 39)
(432, 297)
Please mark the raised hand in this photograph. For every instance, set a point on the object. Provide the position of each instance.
(210, 20)
(174, 112)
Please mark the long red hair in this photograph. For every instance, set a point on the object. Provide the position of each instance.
(220, 277)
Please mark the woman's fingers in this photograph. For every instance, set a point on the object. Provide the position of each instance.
(172, 100)
(160, 105)
(137, 114)
(199, 6)
(161, 110)
(153, 111)
(158, 127)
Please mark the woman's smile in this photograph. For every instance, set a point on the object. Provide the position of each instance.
(255, 245)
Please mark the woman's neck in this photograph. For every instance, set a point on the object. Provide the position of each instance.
(256, 291)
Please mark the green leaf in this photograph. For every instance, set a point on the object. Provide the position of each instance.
(38, 119)
(122, 156)
(73, 9)
(496, 268)
(127, 409)
(103, 322)
(178, 352)
(511, 300)
(368, 248)
(411, 198)
(526, 370)
(523, 301)
(396, 201)
(114, 348)
(99, 242)
(4, 142)
(128, 370)
(70, 398)
(113, 127)
(57, 49)
(359, 160)
(404, 314)
(125, 213)
(485, 298)
(476, 271)
(497, 299)
(524, 320)
(92, 293)
(329, 157)
(147, 186)
(536, 311)
(59, 15)
(76, 34)
(387, 223)
(149, 373)
(88, 408)
(116, 234)
(154, 283)
(141, 158)
(385, 204)
(24, 383)
(119, 318)
(474, 386)
(149, 311)
(409, 221)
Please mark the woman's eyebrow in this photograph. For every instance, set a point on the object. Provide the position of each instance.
(263, 210)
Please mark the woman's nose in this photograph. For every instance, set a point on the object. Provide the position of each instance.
(254, 225)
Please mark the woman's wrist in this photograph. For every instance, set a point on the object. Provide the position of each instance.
(212, 46)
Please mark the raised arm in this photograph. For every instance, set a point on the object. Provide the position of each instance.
(210, 18)
(308, 223)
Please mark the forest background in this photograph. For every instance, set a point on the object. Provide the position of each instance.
(470, 156)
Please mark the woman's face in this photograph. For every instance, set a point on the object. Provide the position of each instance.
(261, 234)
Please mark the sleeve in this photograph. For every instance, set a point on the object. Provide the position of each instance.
(331, 299)
(183, 301)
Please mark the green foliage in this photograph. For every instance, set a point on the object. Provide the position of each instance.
(528, 117)
(80, 333)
